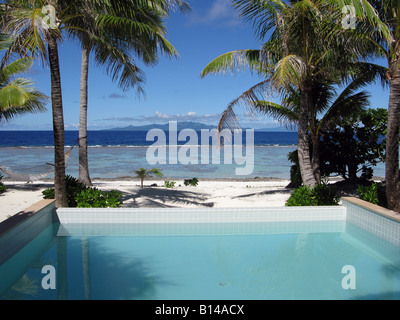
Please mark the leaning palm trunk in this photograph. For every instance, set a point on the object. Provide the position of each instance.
(392, 142)
(84, 176)
(306, 169)
(58, 125)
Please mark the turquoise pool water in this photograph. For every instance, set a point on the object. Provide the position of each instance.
(214, 262)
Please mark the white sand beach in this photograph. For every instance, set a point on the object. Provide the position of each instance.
(208, 193)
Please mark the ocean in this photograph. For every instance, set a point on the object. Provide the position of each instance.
(117, 154)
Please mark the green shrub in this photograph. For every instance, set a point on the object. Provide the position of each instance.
(191, 182)
(49, 193)
(300, 197)
(74, 187)
(94, 198)
(375, 193)
(3, 188)
(320, 195)
(326, 195)
(169, 184)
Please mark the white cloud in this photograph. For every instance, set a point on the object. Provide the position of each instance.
(221, 13)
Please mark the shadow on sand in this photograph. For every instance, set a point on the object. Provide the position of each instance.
(159, 197)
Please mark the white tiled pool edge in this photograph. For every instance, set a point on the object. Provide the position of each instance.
(203, 215)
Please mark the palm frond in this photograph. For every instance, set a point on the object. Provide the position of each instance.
(265, 15)
(290, 70)
(248, 100)
(20, 97)
(233, 62)
(286, 116)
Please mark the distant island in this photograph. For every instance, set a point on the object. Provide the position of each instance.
(188, 125)
(165, 127)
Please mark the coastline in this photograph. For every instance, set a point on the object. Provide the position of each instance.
(210, 192)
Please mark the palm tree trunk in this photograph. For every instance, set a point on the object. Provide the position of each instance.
(303, 142)
(392, 142)
(58, 125)
(316, 163)
(83, 145)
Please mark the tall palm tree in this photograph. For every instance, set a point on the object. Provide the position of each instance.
(299, 55)
(38, 31)
(379, 22)
(114, 31)
(17, 94)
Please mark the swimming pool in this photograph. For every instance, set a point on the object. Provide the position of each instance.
(288, 258)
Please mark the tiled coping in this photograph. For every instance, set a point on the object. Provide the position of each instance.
(392, 215)
(194, 215)
(15, 221)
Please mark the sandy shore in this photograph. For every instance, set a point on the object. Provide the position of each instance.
(222, 193)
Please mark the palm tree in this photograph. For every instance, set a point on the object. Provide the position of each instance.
(38, 31)
(328, 108)
(111, 30)
(378, 22)
(18, 95)
(298, 56)
(143, 174)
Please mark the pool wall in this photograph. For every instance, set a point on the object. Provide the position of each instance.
(203, 215)
(20, 229)
(374, 219)
(17, 231)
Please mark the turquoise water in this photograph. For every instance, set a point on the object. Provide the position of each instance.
(222, 265)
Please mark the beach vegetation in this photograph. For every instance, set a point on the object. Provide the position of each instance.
(191, 182)
(374, 193)
(319, 195)
(169, 184)
(350, 147)
(73, 186)
(143, 174)
(353, 147)
(369, 193)
(95, 198)
(81, 196)
(3, 188)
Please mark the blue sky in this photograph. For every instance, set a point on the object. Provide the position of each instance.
(174, 89)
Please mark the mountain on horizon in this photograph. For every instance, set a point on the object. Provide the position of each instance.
(197, 126)
(165, 127)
